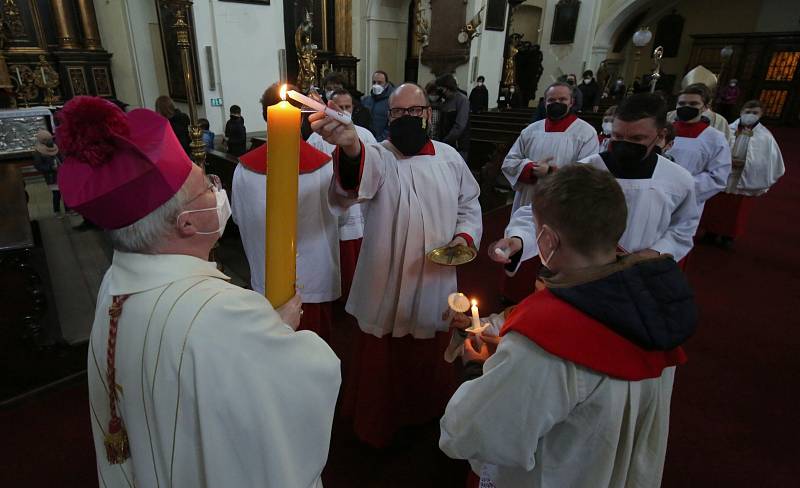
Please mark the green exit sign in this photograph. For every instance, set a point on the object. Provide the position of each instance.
(216, 102)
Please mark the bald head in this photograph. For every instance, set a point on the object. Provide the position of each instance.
(408, 95)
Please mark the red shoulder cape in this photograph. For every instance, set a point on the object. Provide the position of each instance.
(689, 130)
(311, 158)
(566, 332)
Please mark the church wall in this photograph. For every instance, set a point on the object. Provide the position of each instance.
(245, 40)
(562, 59)
(779, 16)
(385, 25)
(112, 20)
(486, 57)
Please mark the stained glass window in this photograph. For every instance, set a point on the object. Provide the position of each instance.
(773, 102)
(783, 65)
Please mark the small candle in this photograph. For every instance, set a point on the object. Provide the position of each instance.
(44, 77)
(476, 319)
(320, 107)
(19, 77)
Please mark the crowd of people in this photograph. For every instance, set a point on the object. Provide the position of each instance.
(195, 382)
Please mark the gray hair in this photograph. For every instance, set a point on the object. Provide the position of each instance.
(145, 235)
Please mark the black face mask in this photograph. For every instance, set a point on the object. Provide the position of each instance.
(628, 153)
(408, 134)
(687, 113)
(557, 110)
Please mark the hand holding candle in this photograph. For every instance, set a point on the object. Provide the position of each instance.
(309, 102)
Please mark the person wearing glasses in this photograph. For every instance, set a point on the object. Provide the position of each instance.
(416, 195)
(193, 381)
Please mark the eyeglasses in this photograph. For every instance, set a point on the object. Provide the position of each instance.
(415, 111)
(213, 183)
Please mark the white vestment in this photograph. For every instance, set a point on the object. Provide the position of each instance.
(318, 276)
(708, 158)
(534, 144)
(351, 224)
(763, 166)
(546, 422)
(214, 389)
(411, 206)
(662, 212)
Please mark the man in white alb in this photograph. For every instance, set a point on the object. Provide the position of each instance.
(544, 146)
(416, 195)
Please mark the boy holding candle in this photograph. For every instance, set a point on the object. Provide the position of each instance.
(578, 391)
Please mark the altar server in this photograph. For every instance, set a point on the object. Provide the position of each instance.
(698, 147)
(662, 209)
(192, 381)
(351, 225)
(757, 165)
(542, 147)
(578, 391)
(416, 195)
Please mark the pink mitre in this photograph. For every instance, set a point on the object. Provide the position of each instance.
(118, 167)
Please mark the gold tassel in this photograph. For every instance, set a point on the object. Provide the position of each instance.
(116, 442)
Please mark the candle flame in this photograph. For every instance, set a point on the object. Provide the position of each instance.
(474, 302)
(283, 92)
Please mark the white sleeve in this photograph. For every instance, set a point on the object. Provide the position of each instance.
(516, 159)
(522, 226)
(713, 180)
(500, 417)
(590, 146)
(469, 220)
(678, 238)
(266, 395)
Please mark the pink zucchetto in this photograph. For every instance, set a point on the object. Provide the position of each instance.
(117, 167)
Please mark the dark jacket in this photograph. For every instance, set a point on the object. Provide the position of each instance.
(236, 135)
(378, 105)
(47, 166)
(591, 95)
(362, 116)
(649, 303)
(180, 126)
(455, 123)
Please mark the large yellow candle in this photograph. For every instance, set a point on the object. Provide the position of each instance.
(283, 154)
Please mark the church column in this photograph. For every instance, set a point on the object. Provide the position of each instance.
(91, 34)
(65, 25)
(344, 26)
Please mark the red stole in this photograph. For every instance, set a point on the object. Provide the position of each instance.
(559, 125)
(566, 332)
(311, 159)
(690, 130)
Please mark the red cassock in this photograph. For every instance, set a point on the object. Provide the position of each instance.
(348, 258)
(394, 382)
(726, 214)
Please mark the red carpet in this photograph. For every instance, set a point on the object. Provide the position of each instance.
(734, 409)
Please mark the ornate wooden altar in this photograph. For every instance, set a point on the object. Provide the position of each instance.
(53, 51)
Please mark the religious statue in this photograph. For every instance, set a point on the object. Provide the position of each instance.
(422, 28)
(306, 54)
(510, 77)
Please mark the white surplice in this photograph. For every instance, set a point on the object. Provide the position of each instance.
(578, 141)
(662, 212)
(215, 390)
(351, 224)
(411, 206)
(708, 158)
(763, 166)
(535, 417)
(318, 272)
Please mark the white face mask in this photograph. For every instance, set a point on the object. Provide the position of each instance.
(607, 128)
(544, 260)
(223, 210)
(748, 119)
(377, 89)
(587, 80)
(433, 98)
(480, 83)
